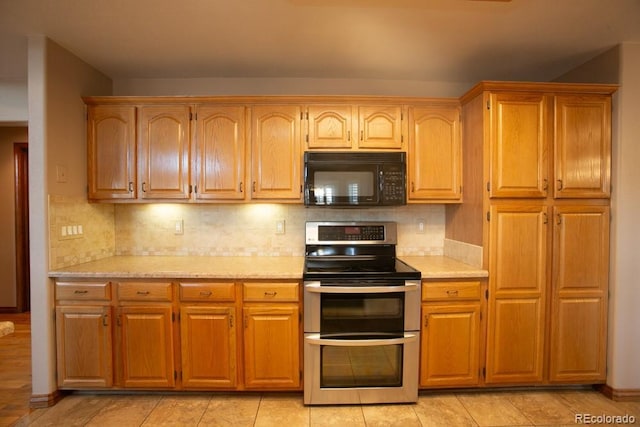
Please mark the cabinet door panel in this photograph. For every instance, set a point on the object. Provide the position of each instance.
(519, 145)
(111, 152)
(435, 154)
(272, 347)
(331, 126)
(380, 127)
(450, 345)
(164, 151)
(220, 153)
(84, 346)
(583, 146)
(276, 152)
(208, 337)
(147, 346)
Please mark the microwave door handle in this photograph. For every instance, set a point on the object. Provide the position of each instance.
(317, 340)
(315, 287)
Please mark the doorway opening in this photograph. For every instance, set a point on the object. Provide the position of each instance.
(23, 283)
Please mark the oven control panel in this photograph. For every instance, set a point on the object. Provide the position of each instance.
(350, 232)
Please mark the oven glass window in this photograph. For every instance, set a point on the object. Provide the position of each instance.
(362, 313)
(361, 366)
(344, 186)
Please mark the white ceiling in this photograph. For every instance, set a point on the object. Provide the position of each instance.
(426, 40)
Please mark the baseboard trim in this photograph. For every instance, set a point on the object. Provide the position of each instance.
(620, 395)
(38, 401)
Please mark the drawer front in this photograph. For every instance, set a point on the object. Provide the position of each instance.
(144, 291)
(446, 291)
(83, 291)
(265, 292)
(207, 292)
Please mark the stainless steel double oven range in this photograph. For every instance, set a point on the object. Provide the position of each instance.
(361, 316)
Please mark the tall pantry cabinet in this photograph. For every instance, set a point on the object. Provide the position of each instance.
(537, 200)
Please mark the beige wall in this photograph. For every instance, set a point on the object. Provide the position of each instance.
(622, 65)
(13, 102)
(57, 80)
(8, 136)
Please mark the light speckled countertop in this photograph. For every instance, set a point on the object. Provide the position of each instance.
(186, 267)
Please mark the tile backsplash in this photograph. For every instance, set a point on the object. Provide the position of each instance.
(217, 230)
(250, 230)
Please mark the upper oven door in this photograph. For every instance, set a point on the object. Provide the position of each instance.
(341, 184)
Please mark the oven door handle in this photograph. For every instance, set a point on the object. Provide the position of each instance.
(316, 340)
(315, 287)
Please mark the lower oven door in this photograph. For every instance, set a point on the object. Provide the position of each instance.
(354, 370)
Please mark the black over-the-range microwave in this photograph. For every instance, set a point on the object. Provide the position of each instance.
(355, 179)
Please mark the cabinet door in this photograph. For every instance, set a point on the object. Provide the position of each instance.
(582, 146)
(276, 152)
(208, 337)
(84, 346)
(380, 127)
(111, 152)
(519, 141)
(435, 156)
(330, 126)
(450, 345)
(220, 153)
(517, 289)
(272, 346)
(580, 288)
(164, 151)
(147, 346)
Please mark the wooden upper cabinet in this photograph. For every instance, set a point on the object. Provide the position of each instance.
(582, 146)
(435, 151)
(519, 141)
(111, 152)
(276, 153)
(164, 151)
(380, 127)
(220, 152)
(331, 127)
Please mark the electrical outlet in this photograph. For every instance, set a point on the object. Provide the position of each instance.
(178, 227)
(280, 226)
(420, 226)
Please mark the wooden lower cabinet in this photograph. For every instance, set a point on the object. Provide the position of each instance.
(272, 346)
(208, 346)
(84, 346)
(451, 333)
(147, 346)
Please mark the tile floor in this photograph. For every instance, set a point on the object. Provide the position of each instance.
(533, 407)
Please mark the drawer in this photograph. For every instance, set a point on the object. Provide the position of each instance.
(446, 291)
(265, 292)
(83, 291)
(144, 291)
(207, 292)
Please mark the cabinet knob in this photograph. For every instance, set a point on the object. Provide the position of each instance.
(241, 186)
(144, 187)
(560, 185)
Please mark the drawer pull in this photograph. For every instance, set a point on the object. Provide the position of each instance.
(452, 293)
(205, 293)
(142, 292)
(270, 293)
(80, 291)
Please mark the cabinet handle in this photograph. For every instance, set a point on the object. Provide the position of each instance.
(143, 292)
(241, 186)
(205, 293)
(105, 320)
(348, 135)
(144, 187)
(559, 219)
(545, 218)
(130, 186)
(361, 135)
(560, 184)
(79, 291)
(452, 293)
(270, 294)
(246, 321)
(545, 184)
(253, 187)
(413, 187)
(231, 320)
(426, 321)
